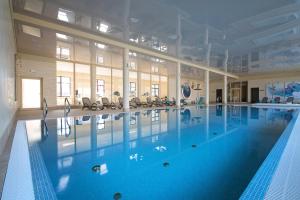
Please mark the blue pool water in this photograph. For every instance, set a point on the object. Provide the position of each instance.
(193, 153)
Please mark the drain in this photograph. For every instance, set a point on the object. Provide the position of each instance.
(117, 196)
(166, 164)
(215, 133)
(194, 145)
(96, 168)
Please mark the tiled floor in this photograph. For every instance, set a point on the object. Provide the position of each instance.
(4, 157)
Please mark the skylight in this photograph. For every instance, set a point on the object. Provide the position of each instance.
(102, 28)
(31, 31)
(65, 15)
(100, 46)
(35, 6)
(61, 36)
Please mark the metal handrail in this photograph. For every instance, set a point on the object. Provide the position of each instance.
(67, 108)
(45, 108)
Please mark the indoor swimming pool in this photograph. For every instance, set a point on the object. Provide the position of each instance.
(192, 153)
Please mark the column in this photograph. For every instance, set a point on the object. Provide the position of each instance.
(225, 77)
(178, 68)
(225, 90)
(178, 84)
(206, 79)
(93, 73)
(125, 80)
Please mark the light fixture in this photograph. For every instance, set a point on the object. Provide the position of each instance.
(61, 36)
(103, 28)
(99, 45)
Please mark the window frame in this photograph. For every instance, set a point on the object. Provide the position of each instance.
(155, 90)
(98, 86)
(60, 85)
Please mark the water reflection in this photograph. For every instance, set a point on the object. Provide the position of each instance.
(132, 142)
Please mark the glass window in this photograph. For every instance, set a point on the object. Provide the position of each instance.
(102, 27)
(132, 65)
(155, 90)
(103, 73)
(35, 6)
(82, 81)
(101, 88)
(63, 53)
(31, 31)
(63, 85)
(132, 87)
(99, 59)
(154, 69)
(66, 15)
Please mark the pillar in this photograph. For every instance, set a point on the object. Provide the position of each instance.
(225, 77)
(206, 79)
(125, 80)
(225, 90)
(178, 84)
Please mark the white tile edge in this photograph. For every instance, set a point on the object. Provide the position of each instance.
(285, 183)
(18, 181)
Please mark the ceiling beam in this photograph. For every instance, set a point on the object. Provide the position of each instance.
(65, 28)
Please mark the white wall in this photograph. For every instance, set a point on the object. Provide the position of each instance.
(7, 72)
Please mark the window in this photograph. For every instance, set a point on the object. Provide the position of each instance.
(132, 87)
(63, 86)
(61, 36)
(99, 45)
(63, 53)
(132, 65)
(154, 69)
(155, 116)
(31, 31)
(99, 59)
(100, 88)
(102, 27)
(35, 6)
(66, 15)
(155, 90)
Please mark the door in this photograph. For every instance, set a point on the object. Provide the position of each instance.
(254, 95)
(219, 95)
(236, 94)
(31, 93)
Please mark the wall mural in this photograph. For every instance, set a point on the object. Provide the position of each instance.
(283, 90)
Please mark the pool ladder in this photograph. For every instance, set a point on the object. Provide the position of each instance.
(45, 108)
(67, 108)
(44, 124)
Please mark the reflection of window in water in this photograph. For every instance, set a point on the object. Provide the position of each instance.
(63, 126)
(132, 121)
(100, 124)
(155, 116)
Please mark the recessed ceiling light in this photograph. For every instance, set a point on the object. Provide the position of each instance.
(100, 46)
(61, 36)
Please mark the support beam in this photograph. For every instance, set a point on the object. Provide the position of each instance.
(102, 38)
(206, 79)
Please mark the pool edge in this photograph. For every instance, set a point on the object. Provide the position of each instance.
(258, 188)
